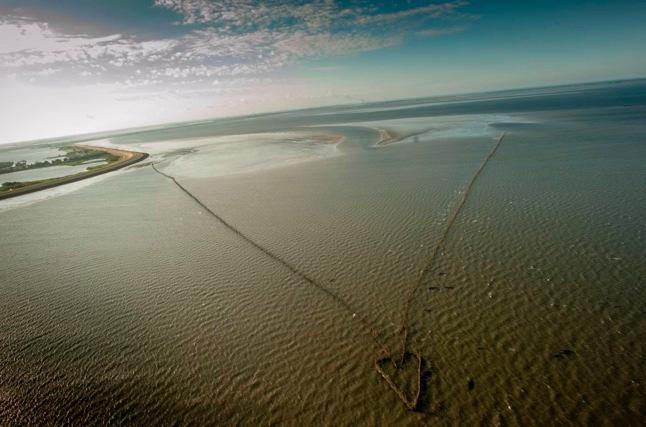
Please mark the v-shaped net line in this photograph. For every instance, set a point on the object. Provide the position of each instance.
(291, 267)
(373, 333)
(429, 264)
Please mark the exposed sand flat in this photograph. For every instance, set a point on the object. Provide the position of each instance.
(247, 154)
(329, 138)
(387, 137)
(126, 158)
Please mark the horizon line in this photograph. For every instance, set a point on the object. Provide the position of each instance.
(82, 137)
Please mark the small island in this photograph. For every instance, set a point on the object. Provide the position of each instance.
(75, 155)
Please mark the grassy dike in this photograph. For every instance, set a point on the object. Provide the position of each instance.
(126, 158)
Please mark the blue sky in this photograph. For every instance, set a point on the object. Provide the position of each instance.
(87, 65)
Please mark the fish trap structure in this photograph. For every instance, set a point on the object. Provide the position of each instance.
(402, 371)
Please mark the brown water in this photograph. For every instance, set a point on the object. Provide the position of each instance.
(126, 302)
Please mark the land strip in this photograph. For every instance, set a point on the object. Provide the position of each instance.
(126, 158)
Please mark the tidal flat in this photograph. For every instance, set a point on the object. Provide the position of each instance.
(266, 266)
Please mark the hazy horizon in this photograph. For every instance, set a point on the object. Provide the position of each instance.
(171, 124)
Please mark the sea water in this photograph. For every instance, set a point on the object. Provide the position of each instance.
(126, 301)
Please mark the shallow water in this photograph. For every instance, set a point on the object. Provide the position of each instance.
(30, 154)
(125, 301)
(46, 172)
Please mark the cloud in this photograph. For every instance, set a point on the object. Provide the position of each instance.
(432, 11)
(34, 48)
(218, 40)
(437, 32)
(294, 15)
(246, 15)
(29, 44)
(23, 35)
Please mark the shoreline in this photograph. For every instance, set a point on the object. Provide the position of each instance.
(127, 158)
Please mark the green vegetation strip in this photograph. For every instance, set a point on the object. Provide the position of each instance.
(117, 159)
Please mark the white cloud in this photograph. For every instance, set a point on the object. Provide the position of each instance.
(22, 35)
(313, 16)
(431, 11)
(235, 37)
(34, 48)
(244, 15)
(25, 43)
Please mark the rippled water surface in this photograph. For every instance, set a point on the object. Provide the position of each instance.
(261, 285)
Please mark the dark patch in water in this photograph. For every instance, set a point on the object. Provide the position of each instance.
(564, 354)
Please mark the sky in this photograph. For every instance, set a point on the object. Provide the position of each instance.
(76, 66)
